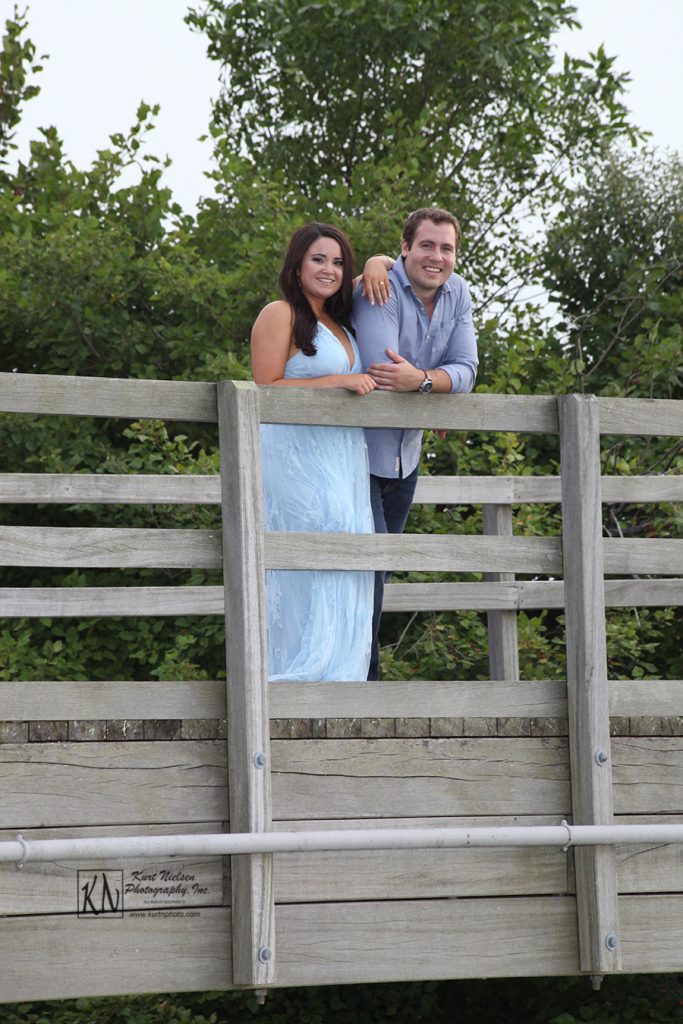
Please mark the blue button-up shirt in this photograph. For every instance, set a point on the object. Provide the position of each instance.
(446, 342)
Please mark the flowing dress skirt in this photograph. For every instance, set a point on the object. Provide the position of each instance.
(316, 479)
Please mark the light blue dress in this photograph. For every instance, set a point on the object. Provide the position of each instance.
(316, 479)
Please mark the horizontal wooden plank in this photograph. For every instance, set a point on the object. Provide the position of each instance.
(490, 490)
(419, 699)
(498, 595)
(367, 778)
(105, 396)
(643, 556)
(647, 773)
(64, 957)
(518, 595)
(411, 551)
(510, 490)
(31, 701)
(87, 602)
(633, 698)
(345, 943)
(647, 593)
(529, 413)
(58, 602)
(35, 701)
(74, 547)
(163, 489)
(65, 784)
(54, 887)
(465, 699)
(651, 937)
(638, 489)
(109, 489)
(196, 401)
(419, 874)
(660, 416)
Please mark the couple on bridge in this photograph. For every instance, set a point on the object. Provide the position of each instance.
(406, 328)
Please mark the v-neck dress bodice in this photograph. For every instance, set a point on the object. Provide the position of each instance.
(316, 479)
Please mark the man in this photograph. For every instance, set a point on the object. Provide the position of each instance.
(422, 340)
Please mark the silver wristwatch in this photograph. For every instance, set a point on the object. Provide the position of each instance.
(426, 385)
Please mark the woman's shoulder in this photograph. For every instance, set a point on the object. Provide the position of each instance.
(276, 313)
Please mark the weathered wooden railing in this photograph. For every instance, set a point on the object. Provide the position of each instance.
(345, 916)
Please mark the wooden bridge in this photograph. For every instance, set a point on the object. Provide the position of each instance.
(85, 760)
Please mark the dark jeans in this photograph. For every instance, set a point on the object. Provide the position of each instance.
(391, 500)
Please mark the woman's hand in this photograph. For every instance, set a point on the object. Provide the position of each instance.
(376, 285)
(359, 383)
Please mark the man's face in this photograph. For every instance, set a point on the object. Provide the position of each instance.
(430, 260)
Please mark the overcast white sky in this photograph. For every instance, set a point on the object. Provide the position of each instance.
(108, 55)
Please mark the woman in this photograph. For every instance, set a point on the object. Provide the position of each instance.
(315, 478)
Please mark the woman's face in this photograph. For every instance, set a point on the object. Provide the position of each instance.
(322, 269)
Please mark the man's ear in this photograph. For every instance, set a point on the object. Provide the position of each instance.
(404, 247)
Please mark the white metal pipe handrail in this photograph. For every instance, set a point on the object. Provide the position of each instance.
(22, 850)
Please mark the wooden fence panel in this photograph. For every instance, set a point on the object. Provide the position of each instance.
(337, 920)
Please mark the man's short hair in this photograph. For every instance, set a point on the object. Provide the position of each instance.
(437, 216)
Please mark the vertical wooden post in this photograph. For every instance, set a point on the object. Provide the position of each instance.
(247, 684)
(589, 735)
(502, 626)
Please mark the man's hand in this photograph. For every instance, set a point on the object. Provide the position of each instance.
(398, 375)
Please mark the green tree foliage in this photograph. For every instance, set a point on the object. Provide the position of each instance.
(369, 109)
(16, 58)
(614, 264)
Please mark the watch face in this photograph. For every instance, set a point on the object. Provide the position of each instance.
(426, 386)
